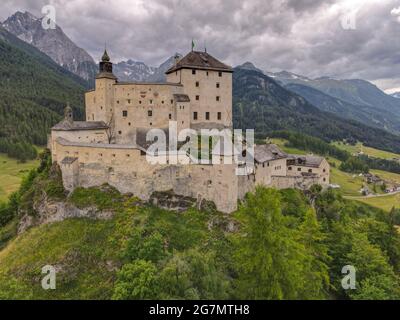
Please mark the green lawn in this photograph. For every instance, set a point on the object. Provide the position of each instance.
(11, 174)
(385, 202)
(281, 144)
(366, 150)
(350, 184)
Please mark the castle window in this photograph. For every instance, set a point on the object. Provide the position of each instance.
(197, 84)
(162, 102)
(193, 71)
(207, 116)
(194, 115)
(140, 102)
(129, 101)
(114, 155)
(170, 116)
(197, 98)
(290, 168)
(128, 155)
(324, 170)
(124, 113)
(324, 179)
(172, 101)
(150, 113)
(264, 165)
(119, 132)
(219, 115)
(151, 101)
(220, 74)
(101, 108)
(299, 169)
(207, 73)
(310, 171)
(218, 98)
(129, 124)
(117, 101)
(92, 116)
(151, 123)
(217, 85)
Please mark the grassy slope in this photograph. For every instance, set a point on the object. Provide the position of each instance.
(367, 150)
(87, 253)
(11, 174)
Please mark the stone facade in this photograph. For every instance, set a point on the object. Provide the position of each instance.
(109, 148)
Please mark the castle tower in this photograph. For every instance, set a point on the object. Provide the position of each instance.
(100, 107)
(208, 83)
(68, 114)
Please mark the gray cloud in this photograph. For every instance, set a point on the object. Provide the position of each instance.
(303, 36)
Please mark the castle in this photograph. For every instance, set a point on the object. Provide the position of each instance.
(111, 146)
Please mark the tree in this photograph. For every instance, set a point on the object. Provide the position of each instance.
(150, 248)
(193, 275)
(136, 281)
(270, 261)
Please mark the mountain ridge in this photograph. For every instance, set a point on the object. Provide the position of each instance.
(53, 42)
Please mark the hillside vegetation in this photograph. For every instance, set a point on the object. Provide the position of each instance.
(276, 246)
(34, 91)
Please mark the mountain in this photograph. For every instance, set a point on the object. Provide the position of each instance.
(396, 95)
(353, 99)
(363, 113)
(263, 104)
(138, 71)
(33, 93)
(52, 42)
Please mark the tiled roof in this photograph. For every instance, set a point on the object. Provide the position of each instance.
(307, 161)
(268, 152)
(79, 125)
(200, 60)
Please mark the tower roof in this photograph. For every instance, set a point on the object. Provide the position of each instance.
(105, 57)
(200, 60)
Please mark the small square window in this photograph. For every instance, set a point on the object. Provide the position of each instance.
(197, 84)
(299, 169)
(310, 171)
(197, 98)
(220, 74)
(218, 98)
(150, 113)
(193, 71)
(124, 113)
(119, 132)
(129, 101)
(217, 85)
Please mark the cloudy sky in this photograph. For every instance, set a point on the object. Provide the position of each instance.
(338, 38)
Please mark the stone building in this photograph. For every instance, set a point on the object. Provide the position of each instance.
(111, 146)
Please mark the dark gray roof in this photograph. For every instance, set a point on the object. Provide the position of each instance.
(127, 83)
(268, 152)
(181, 98)
(65, 142)
(200, 60)
(69, 160)
(79, 125)
(307, 161)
